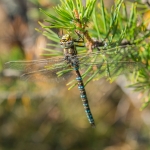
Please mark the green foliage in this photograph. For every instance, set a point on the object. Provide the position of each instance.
(67, 16)
(115, 38)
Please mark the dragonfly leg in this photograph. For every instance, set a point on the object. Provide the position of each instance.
(79, 41)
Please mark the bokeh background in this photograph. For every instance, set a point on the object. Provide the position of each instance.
(46, 116)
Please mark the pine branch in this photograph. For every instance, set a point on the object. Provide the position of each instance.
(110, 36)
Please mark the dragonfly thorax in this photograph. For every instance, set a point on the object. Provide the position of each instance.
(66, 41)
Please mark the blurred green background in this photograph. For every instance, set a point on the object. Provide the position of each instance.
(46, 116)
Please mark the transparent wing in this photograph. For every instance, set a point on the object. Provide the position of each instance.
(110, 69)
(110, 55)
(112, 62)
(34, 65)
(42, 69)
(46, 75)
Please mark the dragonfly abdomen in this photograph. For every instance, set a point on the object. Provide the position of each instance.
(84, 97)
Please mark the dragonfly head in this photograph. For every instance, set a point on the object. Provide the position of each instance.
(66, 41)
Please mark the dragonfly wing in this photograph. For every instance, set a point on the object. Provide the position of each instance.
(109, 62)
(113, 68)
(112, 54)
(45, 75)
(34, 65)
(42, 70)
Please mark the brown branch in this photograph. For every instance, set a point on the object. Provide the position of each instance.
(90, 42)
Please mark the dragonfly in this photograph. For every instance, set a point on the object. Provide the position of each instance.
(112, 62)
